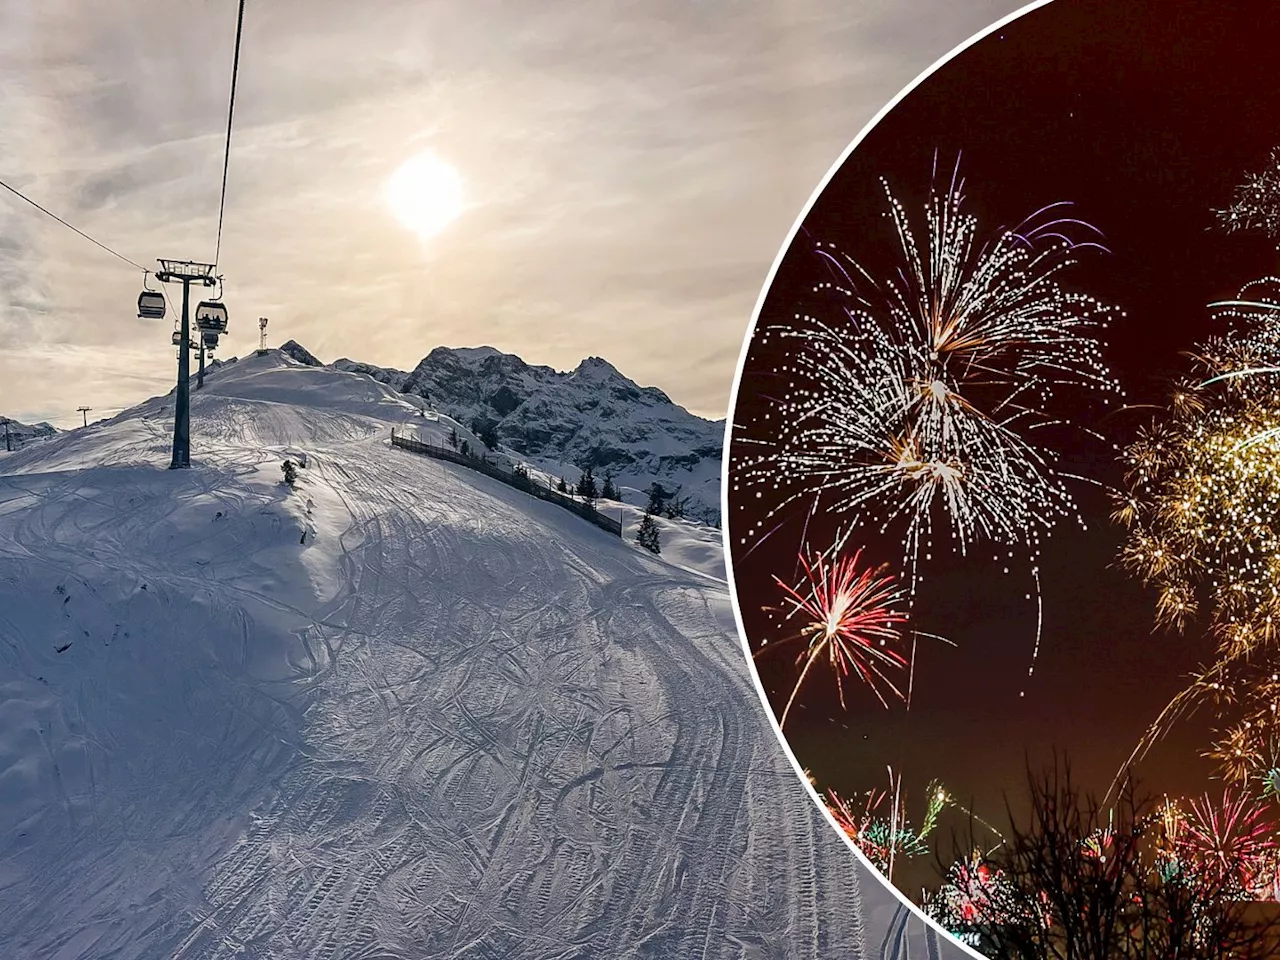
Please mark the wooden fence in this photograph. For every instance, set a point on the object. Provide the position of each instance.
(520, 481)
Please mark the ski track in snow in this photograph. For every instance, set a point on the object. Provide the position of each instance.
(459, 723)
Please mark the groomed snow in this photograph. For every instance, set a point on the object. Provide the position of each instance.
(455, 722)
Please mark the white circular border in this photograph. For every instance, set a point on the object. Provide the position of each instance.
(728, 439)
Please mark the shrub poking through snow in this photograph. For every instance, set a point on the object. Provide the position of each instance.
(290, 472)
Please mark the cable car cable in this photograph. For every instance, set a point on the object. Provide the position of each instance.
(22, 196)
(231, 107)
(49, 213)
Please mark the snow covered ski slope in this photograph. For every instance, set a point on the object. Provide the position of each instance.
(456, 721)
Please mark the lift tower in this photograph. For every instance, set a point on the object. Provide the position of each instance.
(185, 272)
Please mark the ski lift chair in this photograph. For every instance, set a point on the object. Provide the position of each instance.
(151, 305)
(211, 317)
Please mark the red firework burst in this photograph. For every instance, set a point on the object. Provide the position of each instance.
(850, 616)
(1231, 841)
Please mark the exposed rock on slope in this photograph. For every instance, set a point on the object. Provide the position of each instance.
(300, 353)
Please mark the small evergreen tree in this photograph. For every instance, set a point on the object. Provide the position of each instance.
(609, 491)
(587, 486)
(562, 487)
(453, 437)
(648, 535)
(464, 448)
(657, 498)
(290, 472)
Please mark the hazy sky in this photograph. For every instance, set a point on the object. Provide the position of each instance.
(631, 170)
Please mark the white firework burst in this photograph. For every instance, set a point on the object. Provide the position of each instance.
(920, 406)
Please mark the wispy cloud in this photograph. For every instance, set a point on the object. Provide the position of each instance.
(631, 170)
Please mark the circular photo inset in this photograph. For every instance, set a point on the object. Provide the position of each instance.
(1003, 494)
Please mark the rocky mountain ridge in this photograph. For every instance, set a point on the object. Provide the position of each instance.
(591, 416)
(21, 433)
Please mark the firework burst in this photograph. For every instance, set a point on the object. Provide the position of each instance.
(1232, 844)
(849, 615)
(913, 415)
(1202, 507)
(1256, 203)
(887, 837)
(975, 895)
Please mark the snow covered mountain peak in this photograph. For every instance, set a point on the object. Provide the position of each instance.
(597, 367)
(563, 422)
(473, 353)
(21, 433)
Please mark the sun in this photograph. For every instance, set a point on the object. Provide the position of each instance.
(425, 194)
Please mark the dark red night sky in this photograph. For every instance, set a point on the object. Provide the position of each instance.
(1145, 115)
